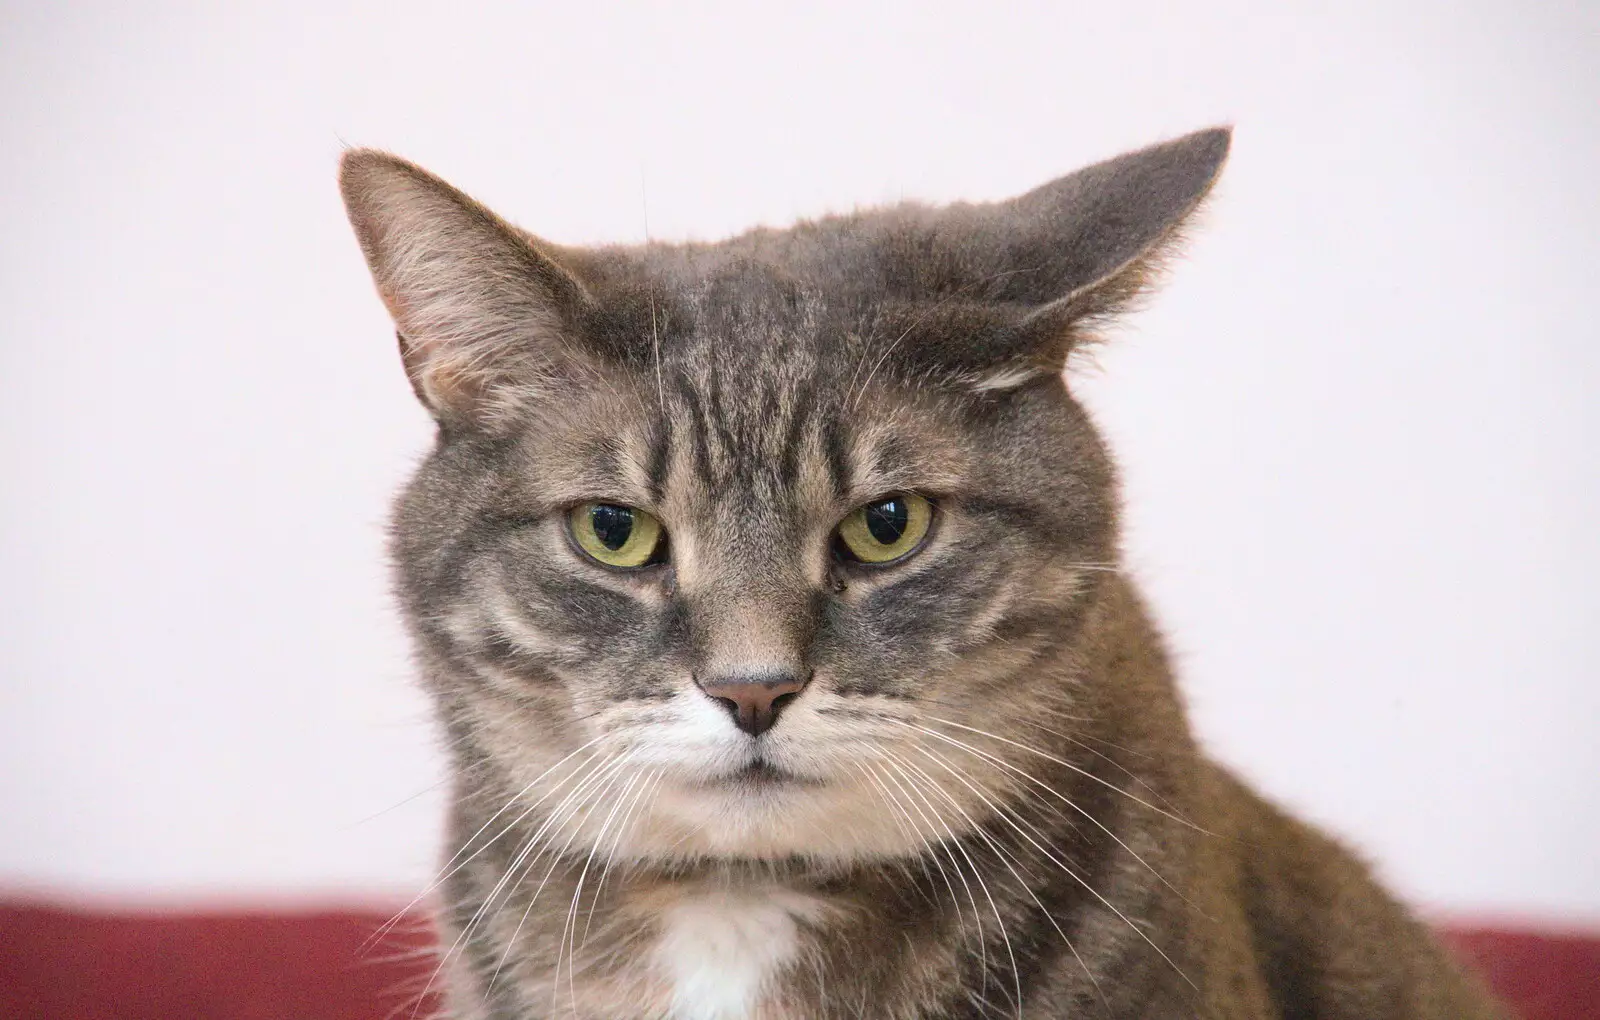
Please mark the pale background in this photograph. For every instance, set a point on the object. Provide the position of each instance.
(1358, 428)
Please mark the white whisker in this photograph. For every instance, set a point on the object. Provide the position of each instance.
(564, 812)
(996, 760)
(1059, 761)
(1016, 973)
(949, 849)
(488, 904)
(447, 871)
(1007, 816)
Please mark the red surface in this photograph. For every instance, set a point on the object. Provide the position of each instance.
(58, 964)
(1544, 976)
(74, 965)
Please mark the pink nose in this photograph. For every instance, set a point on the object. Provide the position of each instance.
(754, 700)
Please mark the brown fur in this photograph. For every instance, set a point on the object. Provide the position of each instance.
(986, 800)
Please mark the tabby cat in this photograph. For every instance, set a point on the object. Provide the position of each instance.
(768, 594)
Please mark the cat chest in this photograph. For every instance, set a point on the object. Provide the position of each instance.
(722, 953)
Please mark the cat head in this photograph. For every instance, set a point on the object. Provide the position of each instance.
(737, 533)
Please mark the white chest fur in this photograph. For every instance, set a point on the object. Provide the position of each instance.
(721, 949)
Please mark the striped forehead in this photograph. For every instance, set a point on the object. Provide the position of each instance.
(754, 429)
(773, 414)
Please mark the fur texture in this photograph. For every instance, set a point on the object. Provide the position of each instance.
(985, 802)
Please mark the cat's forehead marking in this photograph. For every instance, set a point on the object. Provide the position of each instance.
(744, 477)
(750, 396)
(746, 429)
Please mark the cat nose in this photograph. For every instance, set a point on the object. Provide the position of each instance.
(754, 699)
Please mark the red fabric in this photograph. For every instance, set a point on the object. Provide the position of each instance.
(58, 964)
(76, 965)
(1544, 976)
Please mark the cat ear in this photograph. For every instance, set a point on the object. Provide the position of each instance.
(1059, 259)
(1086, 229)
(483, 315)
(1099, 230)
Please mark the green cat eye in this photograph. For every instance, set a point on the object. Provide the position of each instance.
(616, 535)
(886, 529)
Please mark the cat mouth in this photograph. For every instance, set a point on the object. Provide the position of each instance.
(764, 775)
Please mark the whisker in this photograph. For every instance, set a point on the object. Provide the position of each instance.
(564, 812)
(610, 857)
(398, 804)
(977, 916)
(1059, 712)
(571, 922)
(1016, 973)
(1113, 763)
(996, 760)
(447, 871)
(594, 848)
(1007, 858)
(1007, 816)
(963, 708)
(532, 841)
(902, 820)
(399, 956)
(1059, 761)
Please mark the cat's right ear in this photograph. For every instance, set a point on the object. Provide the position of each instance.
(484, 316)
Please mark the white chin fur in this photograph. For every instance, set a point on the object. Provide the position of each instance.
(854, 792)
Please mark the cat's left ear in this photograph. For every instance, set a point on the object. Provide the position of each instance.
(1086, 243)
(1061, 258)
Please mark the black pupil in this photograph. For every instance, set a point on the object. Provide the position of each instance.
(612, 525)
(887, 520)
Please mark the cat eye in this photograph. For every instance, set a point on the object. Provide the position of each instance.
(886, 529)
(616, 535)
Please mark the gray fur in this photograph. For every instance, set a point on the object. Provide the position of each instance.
(995, 712)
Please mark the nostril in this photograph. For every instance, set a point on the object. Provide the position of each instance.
(782, 701)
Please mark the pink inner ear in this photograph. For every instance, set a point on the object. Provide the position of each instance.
(439, 380)
(412, 354)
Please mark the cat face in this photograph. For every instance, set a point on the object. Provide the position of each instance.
(749, 458)
(713, 538)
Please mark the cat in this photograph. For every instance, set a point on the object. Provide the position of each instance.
(767, 592)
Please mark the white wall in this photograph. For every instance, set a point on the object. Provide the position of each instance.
(1358, 428)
